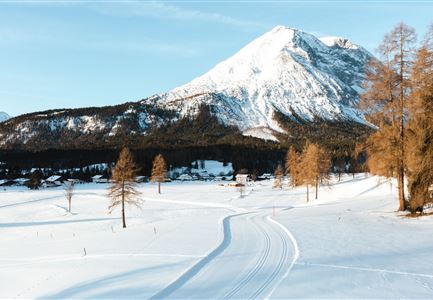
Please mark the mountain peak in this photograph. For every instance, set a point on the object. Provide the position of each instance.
(280, 28)
(285, 70)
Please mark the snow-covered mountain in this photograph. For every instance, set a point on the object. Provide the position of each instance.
(4, 116)
(285, 70)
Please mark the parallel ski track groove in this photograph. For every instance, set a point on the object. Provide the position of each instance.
(276, 271)
(259, 265)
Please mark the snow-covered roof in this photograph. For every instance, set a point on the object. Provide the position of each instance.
(53, 178)
(21, 180)
(97, 176)
(241, 175)
(74, 180)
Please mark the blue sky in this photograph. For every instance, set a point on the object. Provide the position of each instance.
(64, 54)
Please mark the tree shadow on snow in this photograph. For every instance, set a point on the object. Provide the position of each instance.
(121, 285)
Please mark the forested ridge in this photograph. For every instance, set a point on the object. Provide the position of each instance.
(181, 141)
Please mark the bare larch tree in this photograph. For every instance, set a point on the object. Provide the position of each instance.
(279, 175)
(159, 171)
(122, 190)
(420, 127)
(385, 97)
(292, 166)
(69, 193)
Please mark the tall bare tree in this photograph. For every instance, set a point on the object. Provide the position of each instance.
(314, 167)
(420, 127)
(292, 166)
(309, 168)
(69, 193)
(354, 162)
(387, 90)
(159, 171)
(402, 40)
(278, 174)
(122, 190)
(340, 165)
(324, 163)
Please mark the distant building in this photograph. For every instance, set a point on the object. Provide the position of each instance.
(140, 179)
(204, 175)
(242, 179)
(6, 182)
(222, 178)
(53, 181)
(185, 177)
(21, 181)
(99, 179)
(265, 176)
(75, 181)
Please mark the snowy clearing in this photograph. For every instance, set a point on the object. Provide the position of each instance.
(202, 240)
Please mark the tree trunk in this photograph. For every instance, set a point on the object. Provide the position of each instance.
(339, 176)
(401, 158)
(317, 187)
(69, 208)
(401, 199)
(159, 187)
(308, 193)
(400, 176)
(123, 205)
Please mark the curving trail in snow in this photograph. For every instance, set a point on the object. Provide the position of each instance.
(295, 257)
(262, 250)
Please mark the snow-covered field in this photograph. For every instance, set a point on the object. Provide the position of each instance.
(202, 240)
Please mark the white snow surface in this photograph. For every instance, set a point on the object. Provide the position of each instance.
(201, 239)
(285, 70)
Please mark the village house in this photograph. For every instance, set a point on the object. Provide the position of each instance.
(141, 179)
(185, 177)
(53, 181)
(21, 181)
(75, 181)
(242, 179)
(265, 176)
(6, 182)
(99, 179)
